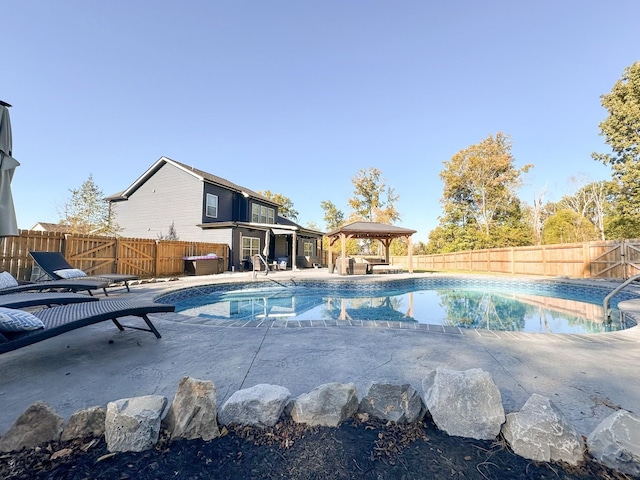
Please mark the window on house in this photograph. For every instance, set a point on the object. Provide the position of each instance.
(212, 206)
(250, 246)
(308, 249)
(262, 214)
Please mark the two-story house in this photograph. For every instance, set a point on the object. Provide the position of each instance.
(200, 207)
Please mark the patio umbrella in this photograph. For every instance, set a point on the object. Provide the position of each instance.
(267, 240)
(8, 164)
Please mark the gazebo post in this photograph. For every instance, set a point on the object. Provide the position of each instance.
(329, 255)
(410, 253)
(343, 241)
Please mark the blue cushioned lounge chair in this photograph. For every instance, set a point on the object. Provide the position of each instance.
(54, 264)
(74, 285)
(43, 299)
(58, 320)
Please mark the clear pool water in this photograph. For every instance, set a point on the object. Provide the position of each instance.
(506, 306)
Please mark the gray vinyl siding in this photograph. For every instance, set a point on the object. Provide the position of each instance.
(170, 195)
(227, 204)
(222, 235)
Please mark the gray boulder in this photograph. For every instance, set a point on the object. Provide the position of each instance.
(39, 424)
(464, 403)
(133, 424)
(394, 403)
(615, 442)
(88, 421)
(327, 405)
(259, 406)
(194, 411)
(540, 432)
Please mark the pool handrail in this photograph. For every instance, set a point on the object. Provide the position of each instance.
(607, 299)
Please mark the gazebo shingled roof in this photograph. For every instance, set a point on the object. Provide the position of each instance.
(372, 230)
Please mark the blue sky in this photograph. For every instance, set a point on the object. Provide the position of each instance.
(297, 96)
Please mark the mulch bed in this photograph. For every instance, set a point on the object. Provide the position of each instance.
(358, 449)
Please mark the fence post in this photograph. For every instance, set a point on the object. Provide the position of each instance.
(513, 261)
(586, 261)
(116, 255)
(623, 260)
(156, 258)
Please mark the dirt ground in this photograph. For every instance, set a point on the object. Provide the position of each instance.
(355, 450)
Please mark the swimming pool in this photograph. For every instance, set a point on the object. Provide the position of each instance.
(541, 306)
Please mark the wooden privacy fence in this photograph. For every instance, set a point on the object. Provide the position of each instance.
(96, 254)
(615, 259)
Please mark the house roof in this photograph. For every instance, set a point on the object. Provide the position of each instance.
(282, 227)
(371, 230)
(51, 227)
(199, 174)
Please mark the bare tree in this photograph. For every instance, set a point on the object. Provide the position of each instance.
(537, 213)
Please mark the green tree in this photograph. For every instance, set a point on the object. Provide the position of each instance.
(480, 205)
(621, 130)
(333, 217)
(373, 200)
(590, 203)
(285, 205)
(420, 248)
(87, 212)
(568, 226)
(399, 246)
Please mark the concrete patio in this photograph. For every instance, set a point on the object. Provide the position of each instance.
(587, 376)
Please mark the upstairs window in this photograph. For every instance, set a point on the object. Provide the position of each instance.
(262, 214)
(212, 206)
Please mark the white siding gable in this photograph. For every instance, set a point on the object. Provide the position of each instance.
(170, 195)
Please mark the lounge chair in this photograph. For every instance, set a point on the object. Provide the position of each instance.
(9, 285)
(56, 266)
(43, 299)
(58, 320)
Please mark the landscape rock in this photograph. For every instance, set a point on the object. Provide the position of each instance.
(395, 403)
(133, 424)
(39, 424)
(85, 422)
(540, 432)
(194, 412)
(464, 403)
(615, 442)
(259, 406)
(327, 405)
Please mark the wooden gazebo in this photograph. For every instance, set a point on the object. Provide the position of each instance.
(370, 230)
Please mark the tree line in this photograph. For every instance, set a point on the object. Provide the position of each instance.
(480, 205)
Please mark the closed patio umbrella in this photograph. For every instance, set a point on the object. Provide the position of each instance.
(267, 240)
(8, 164)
